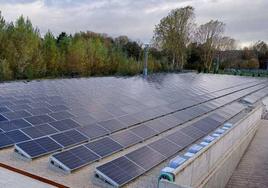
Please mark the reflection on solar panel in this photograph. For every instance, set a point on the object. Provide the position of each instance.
(192, 132)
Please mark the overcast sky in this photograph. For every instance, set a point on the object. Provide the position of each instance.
(246, 20)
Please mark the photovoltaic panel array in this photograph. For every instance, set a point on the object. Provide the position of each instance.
(103, 116)
(149, 156)
(187, 134)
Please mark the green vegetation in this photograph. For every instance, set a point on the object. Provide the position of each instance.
(178, 43)
(24, 54)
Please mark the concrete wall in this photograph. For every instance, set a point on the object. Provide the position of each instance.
(214, 165)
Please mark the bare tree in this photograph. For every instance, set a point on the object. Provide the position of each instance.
(210, 37)
(173, 34)
(227, 43)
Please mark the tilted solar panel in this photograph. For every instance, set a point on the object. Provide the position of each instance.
(165, 147)
(146, 157)
(74, 158)
(38, 147)
(126, 138)
(120, 171)
(144, 131)
(104, 147)
(69, 138)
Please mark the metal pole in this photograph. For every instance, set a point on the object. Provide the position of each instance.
(145, 70)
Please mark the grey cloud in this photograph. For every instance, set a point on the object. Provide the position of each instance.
(245, 19)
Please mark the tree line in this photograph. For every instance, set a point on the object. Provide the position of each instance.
(204, 47)
(24, 54)
(178, 43)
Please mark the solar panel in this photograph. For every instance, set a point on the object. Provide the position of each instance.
(165, 147)
(145, 157)
(46, 129)
(61, 115)
(58, 108)
(192, 132)
(48, 144)
(204, 126)
(29, 149)
(180, 139)
(38, 147)
(75, 158)
(144, 131)
(93, 131)
(39, 111)
(217, 117)
(120, 171)
(69, 138)
(2, 118)
(126, 138)
(5, 141)
(85, 120)
(19, 107)
(129, 120)
(158, 125)
(171, 120)
(41, 119)
(14, 124)
(104, 147)
(64, 125)
(33, 132)
(15, 115)
(17, 136)
(182, 116)
(4, 109)
(112, 125)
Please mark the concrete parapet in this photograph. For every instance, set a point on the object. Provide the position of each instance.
(213, 166)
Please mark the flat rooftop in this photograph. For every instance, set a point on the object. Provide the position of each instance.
(253, 168)
(64, 129)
